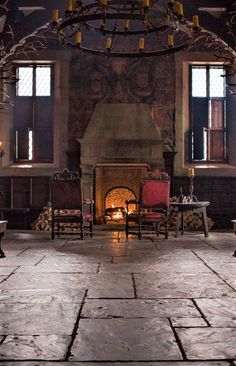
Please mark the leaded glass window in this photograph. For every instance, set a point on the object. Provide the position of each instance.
(207, 113)
(33, 114)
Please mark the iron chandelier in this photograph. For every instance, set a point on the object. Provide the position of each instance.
(125, 28)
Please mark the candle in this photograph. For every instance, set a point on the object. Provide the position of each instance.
(108, 43)
(170, 40)
(146, 3)
(141, 44)
(180, 10)
(176, 5)
(195, 21)
(103, 2)
(69, 5)
(55, 15)
(78, 37)
(190, 172)
(126, 23)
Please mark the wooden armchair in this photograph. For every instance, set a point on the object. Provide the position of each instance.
(68, 206)
(151, 214)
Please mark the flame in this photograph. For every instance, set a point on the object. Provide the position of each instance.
(117, 215)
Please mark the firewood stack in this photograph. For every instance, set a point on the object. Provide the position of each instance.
(192, 221)
(43, 222)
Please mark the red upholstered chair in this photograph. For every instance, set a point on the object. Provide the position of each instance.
(68, 206)
(152, 209)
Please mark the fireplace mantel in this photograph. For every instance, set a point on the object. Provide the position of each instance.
(118, 135)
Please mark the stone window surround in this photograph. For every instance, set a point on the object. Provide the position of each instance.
(61, 62)
(181, 164)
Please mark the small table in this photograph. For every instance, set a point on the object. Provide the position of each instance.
(190, 207)
(3, 226)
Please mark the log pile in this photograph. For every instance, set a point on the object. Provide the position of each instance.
(43, 222)
(192, 221)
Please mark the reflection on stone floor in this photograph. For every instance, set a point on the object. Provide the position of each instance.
(112, 301)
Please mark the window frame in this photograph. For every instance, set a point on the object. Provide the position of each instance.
(208, 98)
(31, 127)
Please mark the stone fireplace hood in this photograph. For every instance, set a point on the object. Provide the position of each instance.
(121, 133)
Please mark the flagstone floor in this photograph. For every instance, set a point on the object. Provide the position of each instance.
(111, 301)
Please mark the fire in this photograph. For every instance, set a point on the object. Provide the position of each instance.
(118, 215)
(115, 204)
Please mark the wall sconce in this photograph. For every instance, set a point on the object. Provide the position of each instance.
(2, 152)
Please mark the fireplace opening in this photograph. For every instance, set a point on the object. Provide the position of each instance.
(115, 206)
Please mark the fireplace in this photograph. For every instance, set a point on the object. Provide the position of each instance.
(114, 184)
(120, 142)
(115, 206)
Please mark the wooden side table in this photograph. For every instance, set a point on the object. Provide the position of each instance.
(3, 226)
(190, 207)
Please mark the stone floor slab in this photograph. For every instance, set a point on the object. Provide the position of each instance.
(188, 322)
(43, 296)
(158, 267)
(139, 308)
(25, 319)
(60, 268)
(100, 285)
(210, 256)
(185, 285)
(21, 260)
(51, 347)
(208, 343)
(6, 271)
(219, 312)
(125, 339)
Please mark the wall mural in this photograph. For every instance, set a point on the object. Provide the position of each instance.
(104, 80)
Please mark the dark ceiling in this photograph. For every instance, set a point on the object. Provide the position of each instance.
(217, 16)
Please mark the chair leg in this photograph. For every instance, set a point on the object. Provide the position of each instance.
(81, 231)
(139, 230)
(127, 229)
(91, 229)
(52, 232)
(167, 228)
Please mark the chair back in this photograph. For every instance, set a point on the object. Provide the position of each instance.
(155, 194)
(66, 190)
